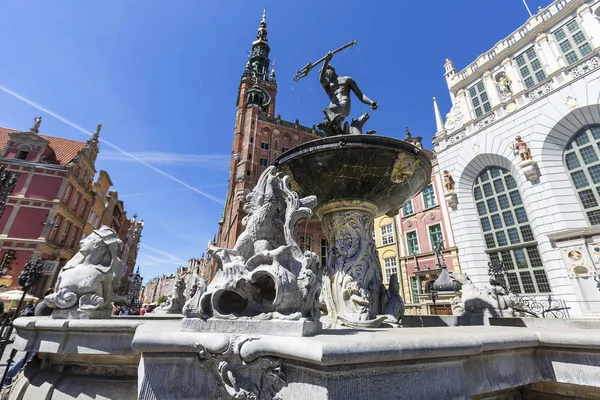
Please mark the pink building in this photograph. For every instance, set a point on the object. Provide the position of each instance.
(422, 223)
(47, 210)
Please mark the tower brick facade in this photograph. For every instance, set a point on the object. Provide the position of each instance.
(260, 136)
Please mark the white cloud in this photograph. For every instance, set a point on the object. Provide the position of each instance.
(111, 145)
(170, 258)
(214, 161)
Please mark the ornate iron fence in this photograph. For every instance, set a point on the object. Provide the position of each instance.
(527, 305)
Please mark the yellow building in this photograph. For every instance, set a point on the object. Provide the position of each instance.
(386, 241)
(101, 186)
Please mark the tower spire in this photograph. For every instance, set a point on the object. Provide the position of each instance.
(262, 28)
(258, 62)
(439, 124)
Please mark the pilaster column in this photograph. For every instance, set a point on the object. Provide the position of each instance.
(553, 53)
(590, 24)
(11, 219)
(490, 88)
(465, 105)
(549, 55)
(514, 75)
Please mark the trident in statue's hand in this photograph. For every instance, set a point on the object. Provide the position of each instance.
(308, 67)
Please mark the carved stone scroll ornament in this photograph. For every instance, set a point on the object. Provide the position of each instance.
(240, 377)
(266, 275)
(353, 292)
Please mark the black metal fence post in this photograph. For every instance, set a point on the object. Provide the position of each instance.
(30, 276)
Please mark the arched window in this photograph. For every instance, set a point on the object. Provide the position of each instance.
(582, 160)
(506, 231)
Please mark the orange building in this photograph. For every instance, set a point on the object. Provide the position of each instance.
(259, 137)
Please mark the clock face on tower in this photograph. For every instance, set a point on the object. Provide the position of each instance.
(259, 96)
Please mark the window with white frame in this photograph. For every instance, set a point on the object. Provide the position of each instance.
(407, 209)
(572, 41)
(435, 236)
(429, 197)
(67, 195)
(479, 99)
(55, 228)
(582, 159)
(414, 288)
(75, 201)
(390, 267)
(324, 247)
(91, 218)
(506, 231)
(65, 231)
(530, 67)
(264, 162)
(412, 243)
(387, 234)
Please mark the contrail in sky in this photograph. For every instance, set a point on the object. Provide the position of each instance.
(109, 144)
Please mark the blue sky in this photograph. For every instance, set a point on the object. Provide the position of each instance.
(162, 78)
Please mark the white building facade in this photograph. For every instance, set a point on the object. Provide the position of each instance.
(538, 211)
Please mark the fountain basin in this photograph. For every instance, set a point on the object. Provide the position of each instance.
(384, 171)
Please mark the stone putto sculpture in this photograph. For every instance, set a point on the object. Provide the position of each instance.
(84, 288)
(266, 275)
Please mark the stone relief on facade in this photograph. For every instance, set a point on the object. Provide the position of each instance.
(457, 137)
(266, 275)
(571, 102)
(84, 287)
(241, 377)
(482, 123)
(540, 91)
(585, 67)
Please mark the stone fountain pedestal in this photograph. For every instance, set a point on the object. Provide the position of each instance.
(355, 178)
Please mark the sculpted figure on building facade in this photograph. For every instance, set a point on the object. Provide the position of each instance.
(448, 181)
(522, 149)
(84, 288)
(266, 275)
(503, 82)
